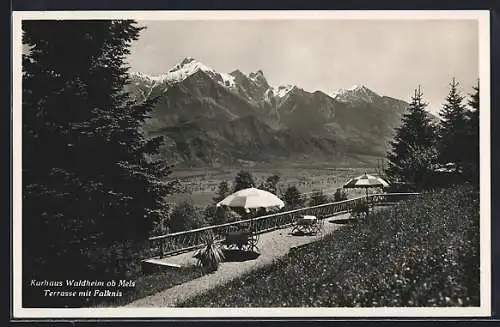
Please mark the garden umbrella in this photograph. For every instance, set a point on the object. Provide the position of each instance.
(252, 198)
(366, 181)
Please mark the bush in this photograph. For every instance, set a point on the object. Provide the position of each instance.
(421, 252)
(243, 180)
(361, 208)
(293, 199)
(317, 198)
(185, 217)
(340, 195)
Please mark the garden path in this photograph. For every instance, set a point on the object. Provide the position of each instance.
(272, 246)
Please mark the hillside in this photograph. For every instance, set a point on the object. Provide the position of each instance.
(423, 252)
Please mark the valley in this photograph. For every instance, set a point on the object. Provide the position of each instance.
(200, 185)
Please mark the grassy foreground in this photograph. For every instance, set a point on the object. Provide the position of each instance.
(422, 252)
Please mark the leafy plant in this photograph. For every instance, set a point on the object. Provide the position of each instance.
(210, 256)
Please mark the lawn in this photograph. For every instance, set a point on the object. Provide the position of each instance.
(421, 252)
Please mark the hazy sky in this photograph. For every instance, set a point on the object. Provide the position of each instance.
(389, 57)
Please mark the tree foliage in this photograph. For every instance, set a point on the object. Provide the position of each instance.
(243, 180)
(271, 184)
(88, 174)
(317, 198)
(340, 195)
(186, 216)
(472, 139)
(293, 198)
(415, 134)
(222, 192)
(453, 128)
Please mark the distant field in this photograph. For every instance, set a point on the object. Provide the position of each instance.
(200, 185)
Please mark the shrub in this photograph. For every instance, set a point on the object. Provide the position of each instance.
(340, 195)
(361, 208)
(293, 199)
(243, 180)
(421, 252)
(210, 255)
(317, 198)
(185, 217)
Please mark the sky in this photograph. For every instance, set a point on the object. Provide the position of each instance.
(391, 57)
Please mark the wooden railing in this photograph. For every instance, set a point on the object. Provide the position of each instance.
(174, 243)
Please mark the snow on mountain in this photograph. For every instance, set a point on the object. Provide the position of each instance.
(258, 78)
(283, 90)
(183, 70)
(355, 93)
(253, 87)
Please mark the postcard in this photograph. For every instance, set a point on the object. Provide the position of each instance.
(251, 164)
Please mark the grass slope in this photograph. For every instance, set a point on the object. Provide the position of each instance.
(423, 252)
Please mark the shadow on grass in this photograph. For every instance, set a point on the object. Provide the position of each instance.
(239, 255)
(302, 233)
(348, 221)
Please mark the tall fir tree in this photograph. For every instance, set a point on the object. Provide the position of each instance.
(453, 128)
(416, 134)
(89, 179)
(472, 144)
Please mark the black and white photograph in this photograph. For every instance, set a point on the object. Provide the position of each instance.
(251, 164)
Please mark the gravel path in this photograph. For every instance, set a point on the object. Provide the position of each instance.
(272, 245)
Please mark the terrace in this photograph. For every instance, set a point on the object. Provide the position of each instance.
(275, 240)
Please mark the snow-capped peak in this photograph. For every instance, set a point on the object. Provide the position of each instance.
(354, 93)
(187, 67)
(283, 90)
(256, 75)
(258, 78)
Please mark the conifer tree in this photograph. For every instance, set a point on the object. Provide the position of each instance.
(89, 179)
(292, 198)
(243, 179)
(453, 128)
(218, 215)
(472, 145)
(416, 134)
(222, 192)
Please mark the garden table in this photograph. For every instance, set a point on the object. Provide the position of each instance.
(307, 225)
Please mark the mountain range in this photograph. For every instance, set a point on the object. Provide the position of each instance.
(210, 118)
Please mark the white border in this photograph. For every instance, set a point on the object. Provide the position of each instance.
(484, 72)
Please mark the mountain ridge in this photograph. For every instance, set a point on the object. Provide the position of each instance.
(213, 118)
